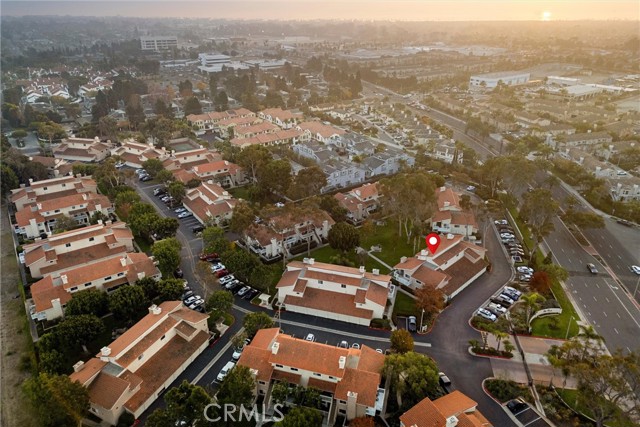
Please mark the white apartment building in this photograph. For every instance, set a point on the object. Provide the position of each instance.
(210, 203)
(134, 370)
(491, 80)
(158, 43)
(334, 292)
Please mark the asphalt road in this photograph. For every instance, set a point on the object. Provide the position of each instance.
(600, 300)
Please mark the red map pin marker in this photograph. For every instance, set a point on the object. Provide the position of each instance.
(433, 241)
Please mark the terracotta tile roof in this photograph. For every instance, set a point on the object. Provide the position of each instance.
(370, 360)
(430, 277)
(446, 194)
(460, 272)
(300, 286)
(309, 356)
(186, 329)
(288, 377)
(311, 273)
(289, 278)
(33, 255)
(173, 355)
(106, 389)
(281, 114)
(454, 403)
(323, 130)
(264, 338)
(264, 127)
(146, 324)
(68, 260)
(361, 382)
(268, 138)
(423, 414)
(258, 359)
(365, 191)
(190, 316)
(322, 385)
(143, 344)
(377, 294)
(219, 166)
(90, 369)
(410, 264)
(331, 302)
(44, 292)
(238, 122)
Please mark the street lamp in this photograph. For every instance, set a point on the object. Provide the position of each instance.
(421, 319)
(566, 336)
(636, 289)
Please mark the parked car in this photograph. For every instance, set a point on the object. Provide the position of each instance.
(225, 371)
(635, 269)
(487, 314)
(524, 278)
(501, 222)
(517, 405)
(243, 291)
(209, 257)
(197, 229)
(471, 188)
(251, 294)
(145, 178)
(513, 295)
(524, 270)
(140, 172)
(496, 309)
(624, 222)
(165, 198)
(516, 258)
(159, 191)
(279, 205)
(217, 267)
(191, 299)
(178, 274)
(592, 268)
(187, 295)
(185, 214)
(506, 298)
(503, 300)
(179, 210)
(197, 303)
(310, 337)
(444, 379)
(21, 257)
(232, 284)
(237, 353)
(343, 344)
(514, 290)
(222, 273)
(412, 324)
(226, 279)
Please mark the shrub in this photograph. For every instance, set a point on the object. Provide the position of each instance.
(505, 390)
(381, 323)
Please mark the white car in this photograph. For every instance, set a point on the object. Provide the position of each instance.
(355, 345)
(513, 290)
(191, 299)
(179, 210)
(524, 270)
(237, 353)
(217, 267)
(226, 279)
(225, 371)
(310, 337)
(501, 222)
(279, 205)
(243, 291)
(636, 269)
(184, 214)
(22, 261)
(487, 314)
(496, 308)
(507, 235)
(196, 303)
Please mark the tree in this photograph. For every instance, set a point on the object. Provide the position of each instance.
(52, 362)
(253, 322)
(308, 182)
(431, 300)
(243, 216)
(301, 417)
(187, 403)
(135, 111)
(413, 377)
(56, 400)
(583, 219)
(79, 329)
(275, 176)
(237, 387)
(128, 303)
(531, 303)
(213, 240)
(220, 302)
(65, 223)
(332, 206)
(165, 176)
(170, 290)
(221, 101)
(162, 109)
(555, 272)
(160, 418)
(280, 392)
(192, 106)
(538, 210)
(177, 190)
(401, 341)
(87, 302)
(167, 253)
(152, 166)
(252, 159)
(344, 237)
(51, 131)
(8, 180)
(242, 263)
(541, 282)
(163, 227)
(213, 86)
(101, 107)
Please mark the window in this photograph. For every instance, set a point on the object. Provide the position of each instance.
(121, 274)
(57, 211)
(343, 286)
(107, 278)
(262, 382)
(317, 374)
(162, 337)
(279, 366)
(342, 411)
(91, 239)
(87, 284)
(294, 369)
(141, 356)
(67, 245)
(320, 282)
(44, 188)
(332, 378)
(75, 288)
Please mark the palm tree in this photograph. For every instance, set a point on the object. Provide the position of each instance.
(500, 335)
(591, 340)
(508, 346)
(531, 302)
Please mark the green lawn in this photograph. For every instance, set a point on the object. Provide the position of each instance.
(325, 254)
(393, 246)
(404, 305)
(571, 398)
(547, 327)
(144, 245)
(240, 192)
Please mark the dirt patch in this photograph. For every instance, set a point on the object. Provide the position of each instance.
(15, 341)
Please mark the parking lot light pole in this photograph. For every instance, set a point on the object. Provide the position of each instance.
(566, 336)
(636, 289)
(421, 319)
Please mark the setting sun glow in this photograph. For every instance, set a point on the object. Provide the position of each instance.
(546, 16)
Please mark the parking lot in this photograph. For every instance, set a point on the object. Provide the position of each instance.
(529, 417)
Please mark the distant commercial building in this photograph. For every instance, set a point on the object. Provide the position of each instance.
(491, 80)
(158, 43)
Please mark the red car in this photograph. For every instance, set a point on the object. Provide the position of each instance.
(209, 257)
(222, 273)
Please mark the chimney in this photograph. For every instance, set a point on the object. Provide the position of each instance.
(442, 189)
(154, 309)
(362, 270)
(452, 421)
(342, 362)
(311, 261)
(123, 261)
(78, 366)
(403, 259)
(449, 236)
(447, 204)
(64, 279)
(99, 222)
(105, 352)
(375, 271)
(141, 275)
(84, 196)
(275, 347)
(423, 252)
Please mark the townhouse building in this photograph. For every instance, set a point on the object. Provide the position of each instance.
(222, 172)
(456, 265)
(451, 410)
(50, 294)
(334, 292)
(450, 217)
(387, 162)
(55, 167)
(288, 136)
(51, 188)
(287, 233)
(349, 380)
(226, 128)
(625, 190)
(85, 150)
(60, 252)
(592, 165)
(320, 132)
(134, 370)
(285, 119)
(207, 120)
(589, 138)
(40, 217)
(210, 203)
(253, 130)
(134, 154)
(360, 202)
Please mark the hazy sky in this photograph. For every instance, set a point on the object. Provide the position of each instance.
(416, 10)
